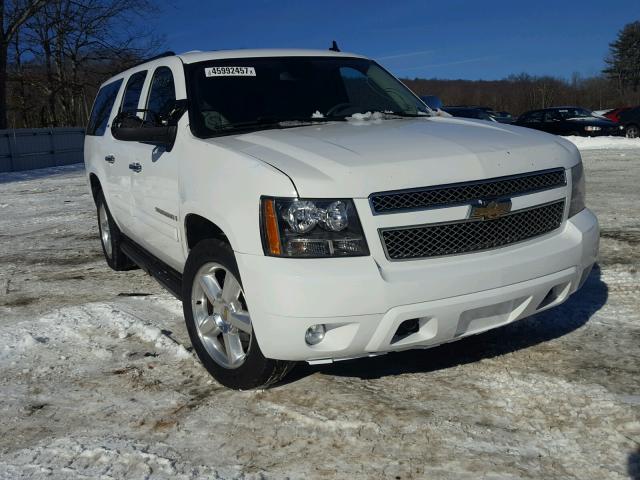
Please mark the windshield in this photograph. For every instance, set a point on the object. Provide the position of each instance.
(574, 113)
(235, 94)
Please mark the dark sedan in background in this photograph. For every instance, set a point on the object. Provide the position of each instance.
(569, 121)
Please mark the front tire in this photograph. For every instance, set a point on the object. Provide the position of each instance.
(633, 131)
(219, 323)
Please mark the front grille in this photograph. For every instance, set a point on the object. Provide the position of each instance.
(467, 236)
(460, 193)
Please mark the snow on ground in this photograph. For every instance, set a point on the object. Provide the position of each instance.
(605, 143)
(98, 380)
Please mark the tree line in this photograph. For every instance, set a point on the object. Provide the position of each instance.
(55, 53)
(617, 86)
(519, 93)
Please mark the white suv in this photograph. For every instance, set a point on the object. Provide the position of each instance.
(307, 206)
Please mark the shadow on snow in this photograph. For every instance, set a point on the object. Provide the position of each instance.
(634, 465)
(24, 175)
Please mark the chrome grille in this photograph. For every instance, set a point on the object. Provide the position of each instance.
(467, 236)
(460, 193)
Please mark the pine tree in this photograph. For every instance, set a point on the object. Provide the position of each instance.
(623, 63)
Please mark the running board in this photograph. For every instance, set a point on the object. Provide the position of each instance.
(163, 273)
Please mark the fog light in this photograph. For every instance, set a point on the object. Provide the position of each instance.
(315, 334)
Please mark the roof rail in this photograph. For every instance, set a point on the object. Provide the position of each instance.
(168, 53)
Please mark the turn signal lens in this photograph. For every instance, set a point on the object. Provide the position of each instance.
(271, 227)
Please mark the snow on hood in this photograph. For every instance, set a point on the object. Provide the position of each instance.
(355, 159)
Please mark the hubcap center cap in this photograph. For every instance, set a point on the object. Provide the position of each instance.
(221, 312)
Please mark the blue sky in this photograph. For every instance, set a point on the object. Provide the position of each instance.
(415, 38)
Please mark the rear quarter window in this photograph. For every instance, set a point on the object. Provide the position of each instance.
(102, 107)
(132, 92)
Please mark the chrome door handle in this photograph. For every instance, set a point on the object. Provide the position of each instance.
(110, 159)
(136, 167)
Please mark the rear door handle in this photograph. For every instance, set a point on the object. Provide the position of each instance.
(110, 159)
(136, 167)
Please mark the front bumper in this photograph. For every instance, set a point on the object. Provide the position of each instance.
(607, 132)
(363, 302)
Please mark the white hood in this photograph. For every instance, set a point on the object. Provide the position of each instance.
(355, 159)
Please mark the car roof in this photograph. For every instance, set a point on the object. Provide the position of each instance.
(197, 56)
(565, 107)
(462, 108)
(552, 109)
(202, 56)
(474, 107)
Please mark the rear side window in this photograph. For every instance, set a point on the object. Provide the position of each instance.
(102, 108)
(534, 117)
(162, 94)
(552, 116)
(132, 92)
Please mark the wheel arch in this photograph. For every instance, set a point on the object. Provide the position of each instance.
(197, 228)
(96, 186)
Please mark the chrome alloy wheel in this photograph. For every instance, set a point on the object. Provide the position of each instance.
(633, 131)
(105, 231)
(220, 315)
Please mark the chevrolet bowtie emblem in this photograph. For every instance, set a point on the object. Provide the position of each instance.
(489, 210)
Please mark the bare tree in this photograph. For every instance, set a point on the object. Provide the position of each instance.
(519, 93)
(13, 14)
(72, 46)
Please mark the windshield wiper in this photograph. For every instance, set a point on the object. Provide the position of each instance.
(275, 122)
(408, 115)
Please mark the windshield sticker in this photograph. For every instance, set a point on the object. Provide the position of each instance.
(230, 72)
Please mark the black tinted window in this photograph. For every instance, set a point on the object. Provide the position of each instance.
(162, 94)
(552, 116)
(102, 108)
(132, 92)
(534, 117)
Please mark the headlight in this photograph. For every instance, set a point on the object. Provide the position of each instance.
(592, 128)
(294, 227)
(577, 190)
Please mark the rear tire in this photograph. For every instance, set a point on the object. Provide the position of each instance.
(632, 131)
(111, 238)
(219, 323)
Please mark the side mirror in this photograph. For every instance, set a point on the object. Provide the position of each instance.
(163, 135)
(433, 102)
(130, 127)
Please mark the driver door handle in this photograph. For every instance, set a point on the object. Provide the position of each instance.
(110, 159)
(136, 167)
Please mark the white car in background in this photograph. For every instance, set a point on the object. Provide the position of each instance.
(307, 206)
